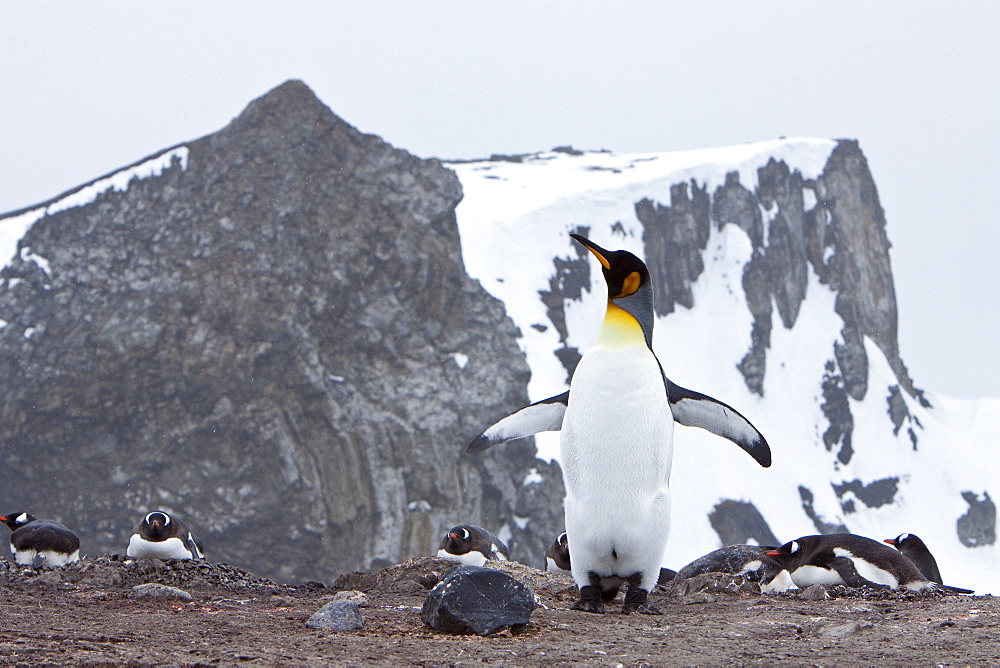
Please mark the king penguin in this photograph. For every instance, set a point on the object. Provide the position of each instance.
(38, 543)
(160, 535)
(616, 442)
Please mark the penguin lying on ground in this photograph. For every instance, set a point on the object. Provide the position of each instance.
(472, 545)
(163, 536)
(914, 549)
(557, 556)
(751, 561)
(616, 444)
(845, 558)
(38, 543)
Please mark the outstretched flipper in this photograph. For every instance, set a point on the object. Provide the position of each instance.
(693, 409)
(689, 408)
(544, 415)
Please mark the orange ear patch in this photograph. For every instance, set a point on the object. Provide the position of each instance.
(630, 284)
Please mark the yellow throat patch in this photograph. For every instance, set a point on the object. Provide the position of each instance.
(620, 328)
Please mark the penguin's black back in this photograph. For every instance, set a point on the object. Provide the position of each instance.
(46, 535)
(916, 551)
(467, 538)
(734, 559)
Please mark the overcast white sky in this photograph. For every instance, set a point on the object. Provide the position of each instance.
(87, 87)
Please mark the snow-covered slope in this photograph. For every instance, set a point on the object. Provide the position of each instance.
(925, 473)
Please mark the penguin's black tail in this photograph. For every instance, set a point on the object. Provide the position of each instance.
(955, 590)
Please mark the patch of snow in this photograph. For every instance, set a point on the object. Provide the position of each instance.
(13, 228)
(461, 359)
(43, 264)
(533, 478)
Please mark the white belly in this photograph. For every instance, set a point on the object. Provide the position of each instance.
(471, 558)
(804, 576)
(616, 449)
(50, 558)
(171, 548)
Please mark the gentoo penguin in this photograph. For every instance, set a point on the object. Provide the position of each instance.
(161, 535)
(473, 546)
(557, 556)
(38, 543)
(846, 558)
(914, 549)
(748, 560)
(616, 445)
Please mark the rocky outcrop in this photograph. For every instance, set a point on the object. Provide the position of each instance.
(841, 236)
(274, 338)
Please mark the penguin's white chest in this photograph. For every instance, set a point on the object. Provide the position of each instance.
(171, 548)
(617, 434)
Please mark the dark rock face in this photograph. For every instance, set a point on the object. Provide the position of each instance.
(841, 237)
(822, 526)
(570, 279)
(738, 522)
(874, 494)
(279, 342)
(471, 599)
(681, 233)
(978, 526)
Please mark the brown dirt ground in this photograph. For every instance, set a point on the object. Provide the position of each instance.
(82, 615)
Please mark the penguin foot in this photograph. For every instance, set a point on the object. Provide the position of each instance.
(590, 600)
(635, 601)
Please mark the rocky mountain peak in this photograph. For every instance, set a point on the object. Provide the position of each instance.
(274, 338)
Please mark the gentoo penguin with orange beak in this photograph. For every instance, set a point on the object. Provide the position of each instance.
(161, 535)
(856, 561)
(38, 543)
(916, 551)
(472, 545)
(616, 441)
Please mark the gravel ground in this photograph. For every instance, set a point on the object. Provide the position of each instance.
(87, 613)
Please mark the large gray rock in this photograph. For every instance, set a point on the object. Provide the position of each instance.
(278, 341)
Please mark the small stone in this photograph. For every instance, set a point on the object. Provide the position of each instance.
(472, 599)
(844, 630)
(282, 601)
(816, 592)
(158, 591)
(48, 578)
(356, 597)
(337, 616)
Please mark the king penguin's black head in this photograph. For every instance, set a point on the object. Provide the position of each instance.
(628, 283)
(624, 273)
